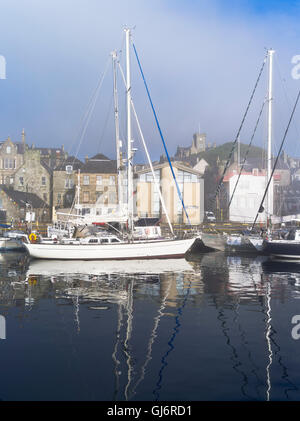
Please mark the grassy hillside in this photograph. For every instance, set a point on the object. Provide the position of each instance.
(223, 151)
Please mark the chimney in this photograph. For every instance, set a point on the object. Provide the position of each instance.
(86, 159)
(23, 137)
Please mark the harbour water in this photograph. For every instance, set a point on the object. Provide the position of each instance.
(216, 328)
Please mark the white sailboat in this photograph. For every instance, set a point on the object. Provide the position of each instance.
(119, 249)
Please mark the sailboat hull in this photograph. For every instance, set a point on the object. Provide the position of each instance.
(289, 249)
(118, 251)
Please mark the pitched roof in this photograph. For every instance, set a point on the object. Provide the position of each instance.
(20, 146)
(100, 164)
(21, 198)
(177, 164)
(71, 160)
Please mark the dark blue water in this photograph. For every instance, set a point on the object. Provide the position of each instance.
(219, 328)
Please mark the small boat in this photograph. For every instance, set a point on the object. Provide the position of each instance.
(233, 243)
(12, 240)
(288, 247)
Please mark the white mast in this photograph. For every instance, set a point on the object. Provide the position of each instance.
(129, 140)
(78, 191)
(118, 142)
(269, 155)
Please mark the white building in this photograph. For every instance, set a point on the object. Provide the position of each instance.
(248, 195)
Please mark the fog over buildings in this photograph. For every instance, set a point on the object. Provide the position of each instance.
(201, 60)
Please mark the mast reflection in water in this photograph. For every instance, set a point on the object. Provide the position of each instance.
(217, 328)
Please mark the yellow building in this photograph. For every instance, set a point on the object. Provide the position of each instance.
(191, 186)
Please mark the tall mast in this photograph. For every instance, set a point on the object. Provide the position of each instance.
(269, 155)
(117, 131)
(78, 190)
(129, 140)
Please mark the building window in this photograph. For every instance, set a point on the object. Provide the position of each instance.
(69, 169)
(8, 149)
(11, 180)
(45, 197)
(112, 196)
(9, 164)
(98, 194)
(99, 180)
(69, 183)
(43, 181)
(21, 181)
(86, 196)
(149, 177)
(112, 180)
(59, 198)
(86, 180)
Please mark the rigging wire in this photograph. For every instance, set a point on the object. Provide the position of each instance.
(247, 152)
(161, 135)
(107, 119)
(91, 107)
(277, 158)
(85, 119)
(239, 131)
(156, 182)
(287, 97)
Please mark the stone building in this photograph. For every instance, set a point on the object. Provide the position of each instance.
(11, 158)
(15, 204)
(52, 157)
(191, 186)
(34, 176)
(198, 145)
(98, 181)
(65, 176)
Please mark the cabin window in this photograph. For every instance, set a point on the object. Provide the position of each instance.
(104, 240)
(114, 240)
(93, 240)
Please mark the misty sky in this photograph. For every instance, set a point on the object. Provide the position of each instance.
(201, 59)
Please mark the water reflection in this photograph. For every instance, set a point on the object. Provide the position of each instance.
(219, 322)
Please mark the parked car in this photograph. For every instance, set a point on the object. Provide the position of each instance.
(210, 217)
